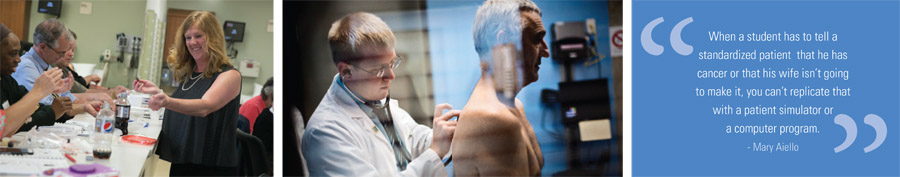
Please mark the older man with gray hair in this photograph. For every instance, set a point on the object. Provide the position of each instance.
(494, 136)
(51, 43)
(357, 130)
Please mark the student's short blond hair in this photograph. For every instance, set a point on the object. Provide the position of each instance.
(356, 31)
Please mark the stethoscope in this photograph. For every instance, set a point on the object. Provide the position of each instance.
(387, 104)
(390, 118)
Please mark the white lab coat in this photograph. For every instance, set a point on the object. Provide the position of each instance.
(341, 140)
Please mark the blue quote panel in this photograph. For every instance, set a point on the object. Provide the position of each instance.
(767, 88)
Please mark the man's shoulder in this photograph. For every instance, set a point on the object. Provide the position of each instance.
(322, 129)
(487, 137)
(27, 60)
(25, 73)
(257, 99)
(9, 81)
(319, 120)
(255, 104)
(490, 119)
(26, 66)
(327, 118)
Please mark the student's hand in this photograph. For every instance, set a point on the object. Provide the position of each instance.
(119, 89)
(93, 78)
(93, 107)
(61, 105)
(158, 101)
(443, 129)
(145, 86)
(114, 92)
(49, 82)
(68, 81)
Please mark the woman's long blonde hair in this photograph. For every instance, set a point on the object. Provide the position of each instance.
(182, 62)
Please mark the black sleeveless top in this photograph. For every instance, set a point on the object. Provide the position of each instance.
(206, 140)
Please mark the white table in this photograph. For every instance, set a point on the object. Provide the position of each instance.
(130, 159)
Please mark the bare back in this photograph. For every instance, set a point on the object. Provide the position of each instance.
(494, 140)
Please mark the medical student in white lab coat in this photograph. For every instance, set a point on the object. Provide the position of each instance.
(357, 130)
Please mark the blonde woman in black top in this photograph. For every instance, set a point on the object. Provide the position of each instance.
(201, 116)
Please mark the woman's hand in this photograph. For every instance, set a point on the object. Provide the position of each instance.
(145, 86)
(157, 101)
(49, 82)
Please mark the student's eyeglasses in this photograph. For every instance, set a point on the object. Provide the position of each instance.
(63, 53)
(395, 63)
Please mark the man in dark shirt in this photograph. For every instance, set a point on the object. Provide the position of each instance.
(265, 121)
(12, 93)
(263, 129)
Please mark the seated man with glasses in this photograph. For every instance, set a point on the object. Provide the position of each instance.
(51, 43)
(357, 130)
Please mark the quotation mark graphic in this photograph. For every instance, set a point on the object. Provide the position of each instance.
(674, 38)
(850, 127)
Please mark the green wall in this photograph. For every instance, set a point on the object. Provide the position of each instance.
(97, 31)
(258, 43)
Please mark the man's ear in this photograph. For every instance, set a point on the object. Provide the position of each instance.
(40, 46)
(344, 69)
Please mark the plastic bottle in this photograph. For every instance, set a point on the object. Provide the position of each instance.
(123, 112)
(103, 137)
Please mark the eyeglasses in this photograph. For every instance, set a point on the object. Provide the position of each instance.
(63, 53)
(379, 72)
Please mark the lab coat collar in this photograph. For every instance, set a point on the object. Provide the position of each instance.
(344, 100)
(355, 96)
